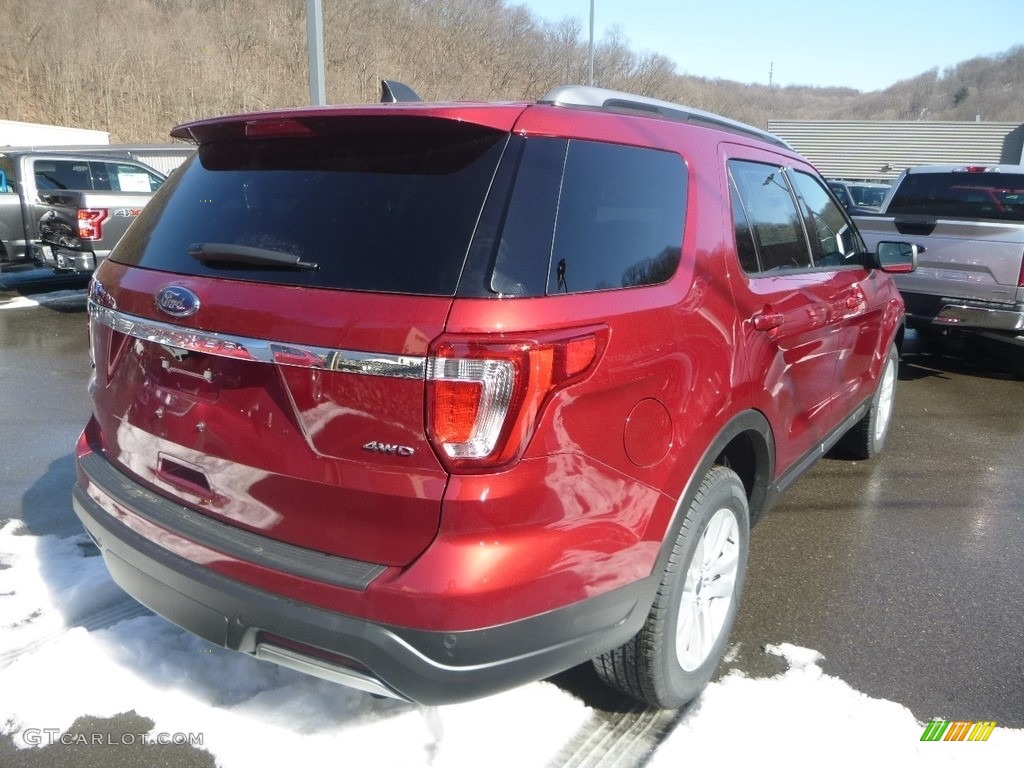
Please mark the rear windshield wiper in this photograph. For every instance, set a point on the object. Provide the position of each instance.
(247, 254)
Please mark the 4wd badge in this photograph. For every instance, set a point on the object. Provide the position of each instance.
(395, 450)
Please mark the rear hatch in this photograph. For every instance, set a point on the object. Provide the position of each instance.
(261, 333)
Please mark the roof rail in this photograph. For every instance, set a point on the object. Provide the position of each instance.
(618, 101)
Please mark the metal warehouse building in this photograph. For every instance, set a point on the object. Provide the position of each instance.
(879, 151)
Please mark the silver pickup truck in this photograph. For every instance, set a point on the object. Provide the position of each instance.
(970, 276)
(62, 213)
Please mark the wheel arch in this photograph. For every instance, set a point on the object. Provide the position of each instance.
(746, 445)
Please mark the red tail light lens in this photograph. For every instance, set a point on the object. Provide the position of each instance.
(276, 129)
(484, 399)
(90, 223)
(457, 404)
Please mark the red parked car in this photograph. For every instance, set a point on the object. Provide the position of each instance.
(437, 399)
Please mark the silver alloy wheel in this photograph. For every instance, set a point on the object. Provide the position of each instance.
(885, 399)
(708, 590)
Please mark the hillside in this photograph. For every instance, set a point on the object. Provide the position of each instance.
(137, 69)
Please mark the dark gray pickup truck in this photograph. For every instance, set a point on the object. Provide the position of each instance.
(61, 214)
(969, 220)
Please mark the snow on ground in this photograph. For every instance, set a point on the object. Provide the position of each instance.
(52, 671)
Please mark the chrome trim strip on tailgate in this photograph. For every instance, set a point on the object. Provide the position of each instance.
(259, 350)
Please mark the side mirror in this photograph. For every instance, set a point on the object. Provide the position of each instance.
(897, 258)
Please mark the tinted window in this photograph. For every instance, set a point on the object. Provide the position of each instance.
(522, 261)
(869, 195)
(834, 242)
(841, 192)
(620, 218)
(772, 213)
(745, 250)
(381, 205)
(63, 174)
(967, 195)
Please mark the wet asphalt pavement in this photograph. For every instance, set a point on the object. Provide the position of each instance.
(904, 572)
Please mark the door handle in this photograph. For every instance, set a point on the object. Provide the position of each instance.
(856, 299)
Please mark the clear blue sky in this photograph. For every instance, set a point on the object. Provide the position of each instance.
(867, 44)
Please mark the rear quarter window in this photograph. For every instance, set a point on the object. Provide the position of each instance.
(620, 218)
(590, 216)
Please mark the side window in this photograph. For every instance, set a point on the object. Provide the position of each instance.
(125, 177)
(6, 175)
(524, 247)
(842, 194)
(834, 242)
(771, 210)
(745, 250)
(63, 174)
(620, 218)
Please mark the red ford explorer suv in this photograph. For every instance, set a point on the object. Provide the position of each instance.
(436, 399)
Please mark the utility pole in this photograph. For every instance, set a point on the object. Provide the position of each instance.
(315, 46)
(590, 80)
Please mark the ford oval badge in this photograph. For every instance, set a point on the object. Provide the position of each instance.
(177, 300)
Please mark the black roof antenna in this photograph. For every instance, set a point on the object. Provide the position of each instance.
(392, 91)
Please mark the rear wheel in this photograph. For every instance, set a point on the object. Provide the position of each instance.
(670, 661)
(867, 437)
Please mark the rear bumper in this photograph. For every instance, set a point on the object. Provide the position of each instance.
(964, 316)
(924, 310)
(419, 665)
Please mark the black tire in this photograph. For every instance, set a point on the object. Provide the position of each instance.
(866, 438)
(1017, 363)
(650, 667)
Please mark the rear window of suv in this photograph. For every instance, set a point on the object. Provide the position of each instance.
(387, 205)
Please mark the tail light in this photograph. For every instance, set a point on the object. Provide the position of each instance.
(90, 223)
(484, 398)
(276, 129)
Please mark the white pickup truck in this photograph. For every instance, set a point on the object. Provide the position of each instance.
(969, 219)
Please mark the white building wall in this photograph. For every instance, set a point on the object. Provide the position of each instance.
(16, 134)
(880, 150)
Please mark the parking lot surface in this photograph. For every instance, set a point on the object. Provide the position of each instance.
(903, 572)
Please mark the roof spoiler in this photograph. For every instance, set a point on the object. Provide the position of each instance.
(392, 92)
